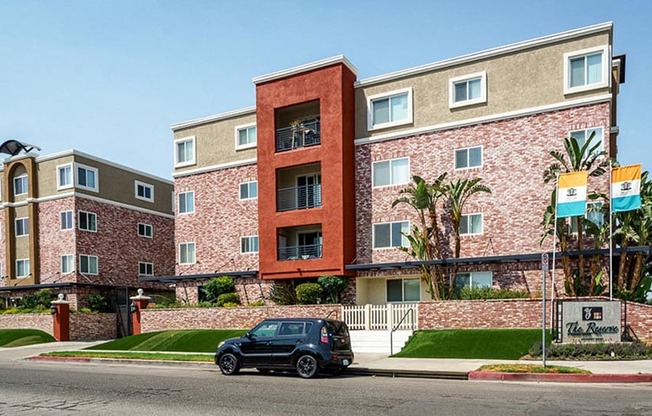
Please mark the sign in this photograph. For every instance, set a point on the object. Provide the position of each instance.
(544, 262)
(587, 321)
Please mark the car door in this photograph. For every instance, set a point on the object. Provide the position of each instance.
(257, 347)
(290, 335)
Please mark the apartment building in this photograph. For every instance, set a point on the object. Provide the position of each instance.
(302, 184)
(80, 225)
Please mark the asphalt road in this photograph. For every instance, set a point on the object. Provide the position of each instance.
(37, 388)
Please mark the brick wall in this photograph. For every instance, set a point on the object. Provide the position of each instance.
(39, 321)
(460, 314)
(639, 317)
(93, 326)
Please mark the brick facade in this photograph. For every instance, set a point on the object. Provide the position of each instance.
(93, 326)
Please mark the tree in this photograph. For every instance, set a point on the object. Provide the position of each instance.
(424, 238)
(575, 159)
(457, 194)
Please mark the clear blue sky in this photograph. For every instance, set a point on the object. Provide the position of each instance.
(110, 77)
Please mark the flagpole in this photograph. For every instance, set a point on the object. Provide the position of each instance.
(554, 256)
(611, 243)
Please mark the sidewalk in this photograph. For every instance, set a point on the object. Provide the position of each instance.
(382, 365)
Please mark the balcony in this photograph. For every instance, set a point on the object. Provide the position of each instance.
(304, 252)
(298, 197)
(300, 134)
(300, 243)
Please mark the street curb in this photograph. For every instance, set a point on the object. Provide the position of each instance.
(560, 378)
(444, 375)
(121, 361)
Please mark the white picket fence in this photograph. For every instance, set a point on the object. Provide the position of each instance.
(375, 317)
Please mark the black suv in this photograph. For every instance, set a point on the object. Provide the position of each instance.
(307, 345)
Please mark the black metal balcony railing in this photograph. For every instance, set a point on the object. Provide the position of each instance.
(306, 133)
(311, 251)
(298, 197)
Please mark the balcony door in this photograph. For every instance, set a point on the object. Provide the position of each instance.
(309, 191)
(310, 244)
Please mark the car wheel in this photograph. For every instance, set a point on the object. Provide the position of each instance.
(263, 370)
(229, 364)
(307, 366)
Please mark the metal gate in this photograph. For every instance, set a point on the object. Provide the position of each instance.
(120, 304)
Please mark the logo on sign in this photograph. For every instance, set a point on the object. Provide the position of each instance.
(571, 192)
(592, 313)
(626, 186)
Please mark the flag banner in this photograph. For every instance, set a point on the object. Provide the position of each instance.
(626, 188)
(571, 194)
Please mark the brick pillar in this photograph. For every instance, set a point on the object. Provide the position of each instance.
(61, 319)
(137, 303)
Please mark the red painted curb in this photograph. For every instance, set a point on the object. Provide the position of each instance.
(561, 378)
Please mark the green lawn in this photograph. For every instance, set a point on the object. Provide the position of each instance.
(19, 337)
(190, 340)
(499, 344)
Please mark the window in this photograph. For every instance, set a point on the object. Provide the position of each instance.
(468, 158)
(22, 268)
(390, 109)
(595, 212)
(184, 151)
(88, 264)
(265, 329)
(390, 234)
(474, 279)
(64, 176)
(249, 244)
(145, 230)
(87, 221)
(186, 202)
(187, 253)
(86, 177)
(403, 290)
(66, 264)
(145, 269)
(22, 227)
(66, 220)
(245, 136)
(144, 191)
(583, 135)
(20, 185)
(391, 172)
(586, 69)
(468, 90)
(471, 224)
(249, 190)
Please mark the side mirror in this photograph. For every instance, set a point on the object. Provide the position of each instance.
(249, 336)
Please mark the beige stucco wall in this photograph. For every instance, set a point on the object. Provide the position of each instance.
(288, 177)
(374, 290)
(516, 81)
(47, 176)
(215, 142)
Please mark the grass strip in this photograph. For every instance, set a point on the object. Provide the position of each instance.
(188, 340)
(532, 368)
(125, 355)
(20, 337)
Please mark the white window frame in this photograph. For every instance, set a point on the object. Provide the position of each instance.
(22, 178)
(572, 222)
(28, 269)
(481, 223)
(145, 227)
(72, 176)
(88, 259)
(192, 161)
(586, 135)
(144, 185)
(491, 273)
(390, 247)
(391, 179)
(606, 74)
(467, 157)
(194, 250)
(249, 238)
(193, 202)
(25, 227)
(146, 264)
(403, 290)
(248, 126)
(248, 190)
(72, 220)
(71, 259)
(466, 78)
(95, 171)
(79, 223)
(382, 96)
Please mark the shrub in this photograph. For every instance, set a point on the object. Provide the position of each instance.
(257, 303)
(83, 310)
(470, 293)
(42, 298)
(10, 311)
(309, 293)
(205, 305)
(595, 351)
(230, 305)
(283, 294)
(218, 286)
(171, 305)
(98, 303)
(333, 287)
(228, 298)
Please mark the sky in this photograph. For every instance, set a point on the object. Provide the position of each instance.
(108, 78)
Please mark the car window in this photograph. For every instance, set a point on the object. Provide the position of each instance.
(338, 328)
(265, 329)
(291, 328)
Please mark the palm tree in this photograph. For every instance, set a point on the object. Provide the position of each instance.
(458, 193)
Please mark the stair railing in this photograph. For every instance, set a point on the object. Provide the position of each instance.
(398, 325)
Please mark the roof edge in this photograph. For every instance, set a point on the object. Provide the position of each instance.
(304, 68)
